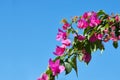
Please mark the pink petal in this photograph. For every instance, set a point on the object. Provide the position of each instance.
(66, 42)
(51, 63)
(59, 51)
(86, 57)
(57, 62)
(80, 37)
(65, 26)
(62, 68)
(61, 35)
(99, 36)
(82, 24)
(44, 77)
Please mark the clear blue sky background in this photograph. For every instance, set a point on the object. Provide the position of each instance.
(27, 39)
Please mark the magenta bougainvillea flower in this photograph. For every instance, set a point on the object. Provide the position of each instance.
(93, 38)
(105, 31)
(86, 57)
(66, 42)
(94, 21)
(80, 37)
(99, 36)
(59, 50)
(56, 67)
(113, 28)
(113, 37)
(88, 19)
(61, 35)
(117, 18)
(82, 24)
(119, 37)
(86, 15)
(65, 26)
(44, 77)
(91, 18)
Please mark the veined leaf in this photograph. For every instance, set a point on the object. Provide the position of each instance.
(74, 64)
(68, 68)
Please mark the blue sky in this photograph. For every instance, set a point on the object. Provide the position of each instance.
(27, 39)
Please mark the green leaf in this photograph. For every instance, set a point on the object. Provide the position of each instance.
(105, 27)
(115, 44)
(79, 45)
(94, 48)
(117, 30)
(96, 45)
(86, 31)
(99, 27)
(80, 56)
(69, 31)
(100, 46)
(88, 47)
(48, 71)
(91, 33)
(58, 57)
(101, 12)
(70, 52)
(68, 68)
(112, 20)
(74, 64)
(51, 77)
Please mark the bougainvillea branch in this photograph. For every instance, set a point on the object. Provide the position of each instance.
(97, 27)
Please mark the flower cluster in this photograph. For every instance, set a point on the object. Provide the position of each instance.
(111, 35)
(63, 37)
(98, 27)
(88, 19)
(56, 67)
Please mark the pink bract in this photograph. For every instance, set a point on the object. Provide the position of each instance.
(119, 37)
(93, 38)
(117, 18)
(44, 77)
(61, 35)
(94, 21)
(86, 15)
(86, 57)
(114, 38)
(59, 50)
(65, 26)
(66, 42)
(80, 37)
(56, 67)
(82, 24)
(99, 36)
(113, 28)
(90, 17)
(105, 31)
